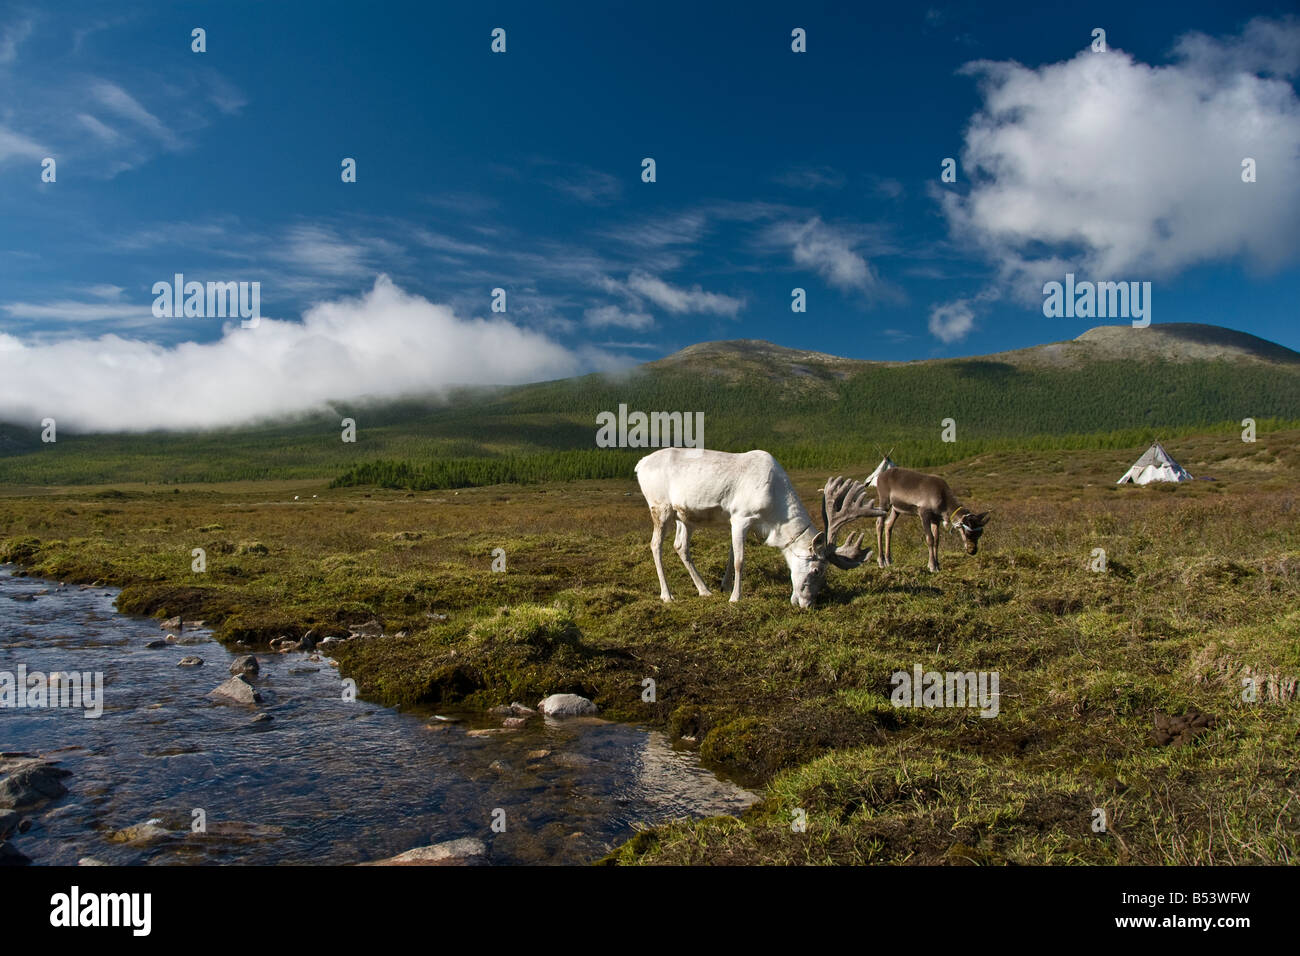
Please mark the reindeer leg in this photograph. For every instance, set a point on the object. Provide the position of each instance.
(928, 522)
(730, 571)
(889, 537)
(682, 545)
(738, 557)
(880, 548)
(660, 518)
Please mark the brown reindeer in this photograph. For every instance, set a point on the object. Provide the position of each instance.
(928, 496)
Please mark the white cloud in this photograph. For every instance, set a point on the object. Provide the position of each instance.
(678, 300)
(1118, 169)
(607, 316)
(952, 321)
(381, 345)
(1271, 47)
(829, 252)
(105, 290)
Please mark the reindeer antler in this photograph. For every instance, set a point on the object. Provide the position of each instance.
(845, 500)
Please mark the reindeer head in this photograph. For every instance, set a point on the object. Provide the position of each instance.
(842, 502)
(971, 527)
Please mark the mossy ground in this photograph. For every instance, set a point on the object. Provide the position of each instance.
(1202, 588)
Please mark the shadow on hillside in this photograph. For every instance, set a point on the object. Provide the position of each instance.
(994, 373)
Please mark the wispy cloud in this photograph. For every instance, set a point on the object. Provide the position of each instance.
(16, 146)
(99, 128)
(71, 310)
(659, 232)
(811, 178)
(678, 300)
(440, 242)
(131, 115)
(223, 94)
(886, 187)
(119, 101)
(580, 182)
(320, 250)
(11, 37)
(611, 315)
(632, 346)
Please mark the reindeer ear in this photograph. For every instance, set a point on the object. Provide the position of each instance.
(819, 542)
(981, 519)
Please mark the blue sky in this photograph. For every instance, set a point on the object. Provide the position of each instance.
(522, 170)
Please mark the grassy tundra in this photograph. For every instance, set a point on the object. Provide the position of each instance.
(1202, 589)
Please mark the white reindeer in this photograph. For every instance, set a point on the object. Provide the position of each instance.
(750, 492)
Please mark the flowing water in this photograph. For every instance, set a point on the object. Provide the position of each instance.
(324, 780)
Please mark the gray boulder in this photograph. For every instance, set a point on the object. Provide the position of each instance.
(239, 690)
(463, 852)
(30, 782)
(245, 665)
(566, 705)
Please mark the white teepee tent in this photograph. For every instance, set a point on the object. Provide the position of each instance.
(886, 463)
(1156, 464)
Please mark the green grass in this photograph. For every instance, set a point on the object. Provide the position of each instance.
(1202, 589)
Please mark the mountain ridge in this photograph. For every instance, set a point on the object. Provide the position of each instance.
(1170, 341)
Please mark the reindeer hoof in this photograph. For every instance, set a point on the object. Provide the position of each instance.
(666, 598)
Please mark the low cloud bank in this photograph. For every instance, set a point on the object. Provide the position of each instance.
(383, 344)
